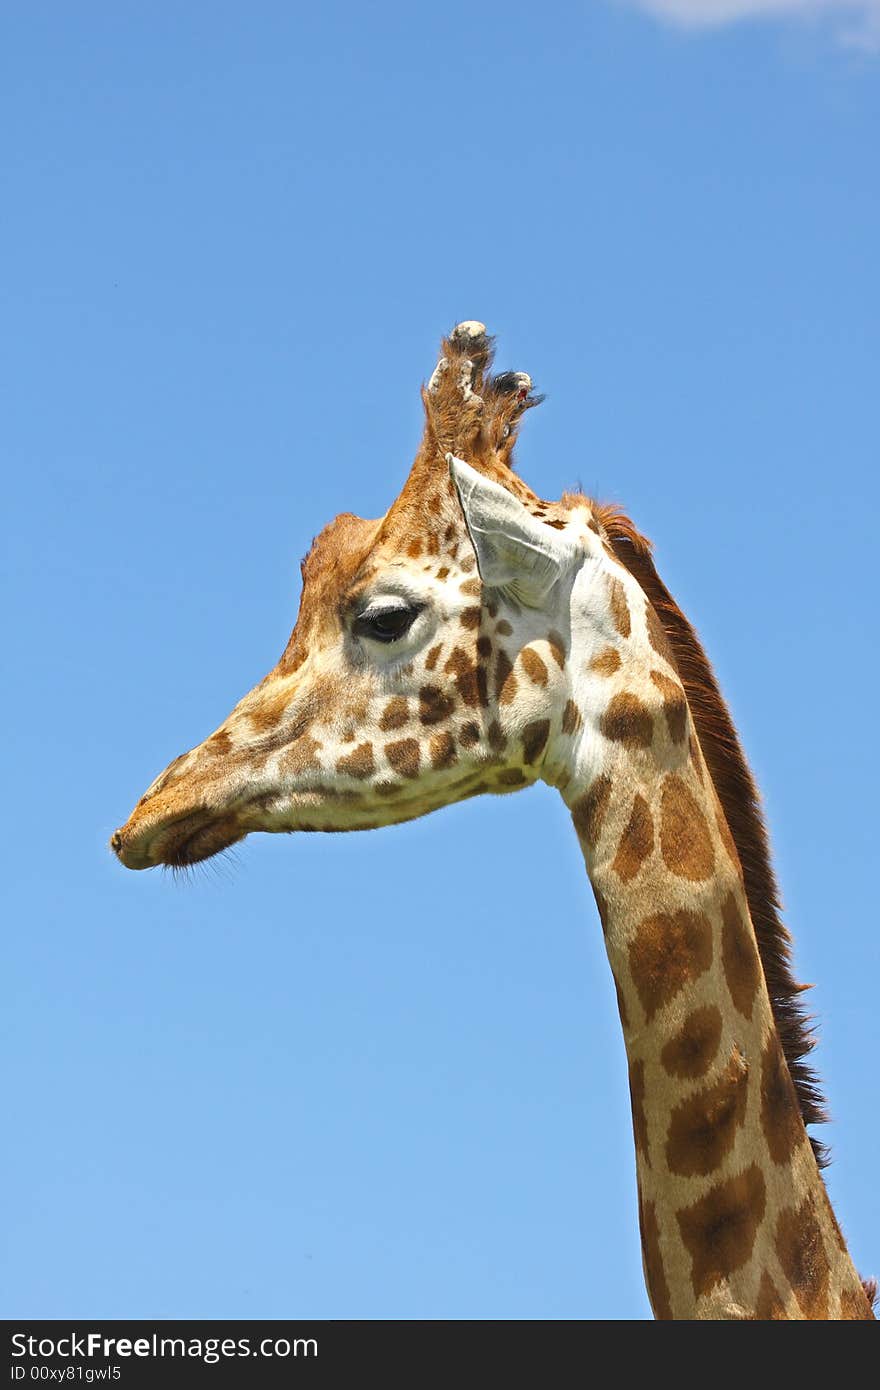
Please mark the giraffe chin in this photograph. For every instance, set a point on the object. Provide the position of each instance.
(203, 843)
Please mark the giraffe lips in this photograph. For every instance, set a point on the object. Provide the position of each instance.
(187, 840)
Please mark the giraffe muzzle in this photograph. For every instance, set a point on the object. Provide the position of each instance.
(184, 841)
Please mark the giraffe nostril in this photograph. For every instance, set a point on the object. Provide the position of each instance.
(116, 842)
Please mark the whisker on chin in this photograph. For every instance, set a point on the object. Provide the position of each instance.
(223, 866)
(220, 866)
(180, 874)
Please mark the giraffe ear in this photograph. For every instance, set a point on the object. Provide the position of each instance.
(514, 551)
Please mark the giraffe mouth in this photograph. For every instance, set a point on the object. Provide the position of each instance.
(185, 841)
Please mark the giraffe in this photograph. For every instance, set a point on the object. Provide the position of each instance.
(477, 639)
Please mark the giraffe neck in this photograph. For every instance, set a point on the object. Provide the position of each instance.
(734, 1217)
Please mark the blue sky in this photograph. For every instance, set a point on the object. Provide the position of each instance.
(381, 1075)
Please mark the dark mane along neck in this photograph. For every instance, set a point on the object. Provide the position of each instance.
(740, 801)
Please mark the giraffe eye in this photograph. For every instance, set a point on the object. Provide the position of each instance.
(386, 624)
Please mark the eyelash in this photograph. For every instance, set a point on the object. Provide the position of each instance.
(398, 623)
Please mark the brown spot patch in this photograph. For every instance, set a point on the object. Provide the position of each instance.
(220, 742)
(719, 1230)
(602, 908)
(668, 951)
(534, 739)
(769, 1306)
(511, 777)
(655, 1274)
(469, 734)
(801, 1253)
(442, 750)
(636, 842)
(628, 721)
(619, 606)
(495, 735)
(674, 705)
(404, 756)
(482, 682)
(414, 549)
(300, 756)
(684, 833)
(472, 587)
(431, 658)
(470, 617)
(637, 1100)
(358, 763)
(657, 636)
(588, 812)
(606, 662)
(571, 718)
(470, 680)
(271, 709)
(621, 1002)
(503, 628)
(780, 1112)
(484, 647)
(702, 1129)
(395, 714)
(443, 572)
(558, 649)
(434, 705)
(556, 523)
(356, 709)
(505, 680)
(691, 1051)
(742, 967)
(533, 666)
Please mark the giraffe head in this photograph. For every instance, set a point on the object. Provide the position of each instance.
(428, 661)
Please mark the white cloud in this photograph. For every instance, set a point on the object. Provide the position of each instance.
(856, 22)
